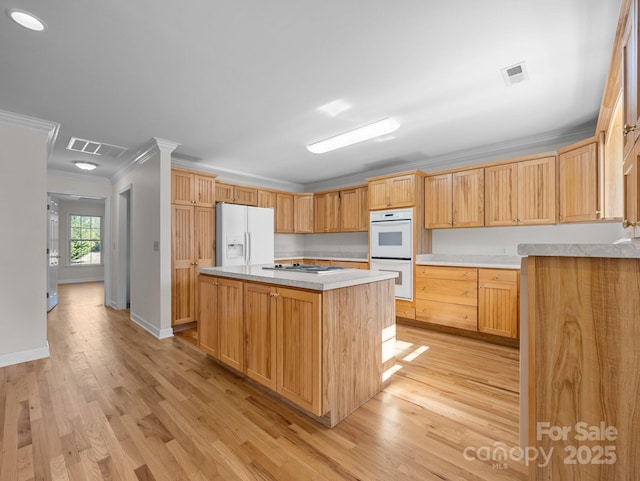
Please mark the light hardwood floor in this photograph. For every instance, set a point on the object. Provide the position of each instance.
(114, 403)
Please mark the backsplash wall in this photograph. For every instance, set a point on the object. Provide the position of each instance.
(346, 245)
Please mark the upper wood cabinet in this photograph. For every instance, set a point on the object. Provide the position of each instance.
(267, 198)
(303, 213)
(191, 188)
(455, 199)
(354, 210)
(284, 212)
(631, 199)
(630, 82)
(393, 191)
(578, 184)
(327, 209)
(521, 193)
(236, 194)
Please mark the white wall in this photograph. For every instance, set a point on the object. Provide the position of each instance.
(23, 276)
(78, 273)
(150, 207)
(505, 240)
(346, 244)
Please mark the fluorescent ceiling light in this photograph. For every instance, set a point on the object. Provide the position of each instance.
(26, 20)
(351, 137)
(85, 165)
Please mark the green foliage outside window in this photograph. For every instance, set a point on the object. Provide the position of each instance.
(85, 239)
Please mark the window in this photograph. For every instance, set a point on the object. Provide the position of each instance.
(85, 240)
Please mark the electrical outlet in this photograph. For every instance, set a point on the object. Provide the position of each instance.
(156, 246)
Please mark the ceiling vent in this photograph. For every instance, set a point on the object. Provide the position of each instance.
(95, 148)
(515, 74)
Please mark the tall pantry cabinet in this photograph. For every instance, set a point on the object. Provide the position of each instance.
(193, 222)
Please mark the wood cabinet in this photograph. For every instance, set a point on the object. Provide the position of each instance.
(284, 213)
(236, 194)
(631, 199)
(303, 213)
(221, 326)
(327, 207)
(498, 302)
(192, 246)
(447, 296)
(299, 351)
(393, 191)
(578, 183)
(521, 193)
(455, 199)
(260, 332)
(191, 188)
(325, 351)
(267, 198)
(354, 210)
(630, 80)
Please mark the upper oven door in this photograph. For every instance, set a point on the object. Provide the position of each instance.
(391, 239)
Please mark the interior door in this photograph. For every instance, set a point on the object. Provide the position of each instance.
(53, 257)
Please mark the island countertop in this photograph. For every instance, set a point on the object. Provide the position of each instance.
(303, 280)
(470, 260)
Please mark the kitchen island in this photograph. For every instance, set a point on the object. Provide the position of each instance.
(323, 343)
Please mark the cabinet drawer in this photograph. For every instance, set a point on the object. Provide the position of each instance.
(498, 275)
(441, 290)
(451, 273)
(445, 314)
(406, 312)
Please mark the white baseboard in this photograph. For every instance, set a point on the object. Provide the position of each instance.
(80, 280)
(151, 329)
(24, 356)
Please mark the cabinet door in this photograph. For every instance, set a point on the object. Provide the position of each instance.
(224, 192)
(260, 331)
(578, 184)
(205, 190)
(204, 236)
(208, 314)
(437, 202)
(630, 192)
(303, 213)
(498, 303)
(378, 198)
(320, 206)
(231, 323)
(333, 211)
(284, 212)
(266, 198)
(299, 351)
(468, 198)
(350, 210)
(182, 187)
(501, 195)
(402, 190)
(245, 195)
(182, 265)
(364, 220)
(630, 53)
(537, 191)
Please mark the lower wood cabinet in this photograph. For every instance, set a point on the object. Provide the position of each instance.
(484, 300)
(325, 351)
(498, 302)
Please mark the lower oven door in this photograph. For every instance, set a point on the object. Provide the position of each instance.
(404, 281)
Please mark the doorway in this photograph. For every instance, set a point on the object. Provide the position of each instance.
(53, 254)
(123, 294)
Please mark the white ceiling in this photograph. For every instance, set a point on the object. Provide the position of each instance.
(238, 82)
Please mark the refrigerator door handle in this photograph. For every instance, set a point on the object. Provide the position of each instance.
(247, 243)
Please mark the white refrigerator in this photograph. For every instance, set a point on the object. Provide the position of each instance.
(244, 235)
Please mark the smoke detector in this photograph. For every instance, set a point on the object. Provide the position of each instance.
(515, 74)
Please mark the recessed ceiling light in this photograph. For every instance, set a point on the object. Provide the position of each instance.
(26, 20)
(376, 129)
(85, 165)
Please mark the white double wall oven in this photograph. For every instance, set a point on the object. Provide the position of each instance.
(391, 247)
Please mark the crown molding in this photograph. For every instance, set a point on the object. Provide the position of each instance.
(462, 158)
(33, 123)
(229, 175)
(152, 147)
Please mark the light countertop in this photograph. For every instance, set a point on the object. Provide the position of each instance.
(469, 260)
(621, 250)
(303, 280)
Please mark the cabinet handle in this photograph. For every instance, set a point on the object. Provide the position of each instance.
(424, 288)
(497, 277)
(515, 221)
(465, 275)
(466, 293)
(466, 317)
(627, 129)
(597, 212)
(626, 223)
